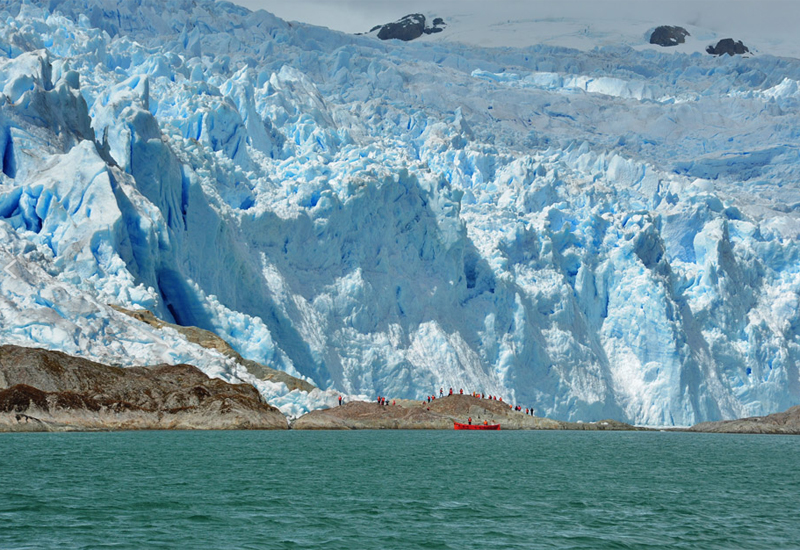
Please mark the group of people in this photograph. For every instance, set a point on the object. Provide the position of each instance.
(527, 410)
(469, 421)
(382, 400)
(477, 395)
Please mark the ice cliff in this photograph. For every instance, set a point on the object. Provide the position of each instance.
(611, 233)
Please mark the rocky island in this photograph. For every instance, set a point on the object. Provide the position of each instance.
(43, 390)
(439, 414)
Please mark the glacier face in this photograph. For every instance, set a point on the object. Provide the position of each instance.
(595, 234)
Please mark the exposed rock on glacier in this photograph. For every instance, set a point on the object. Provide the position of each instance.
(603, 234)
(667, 36)
(728, 46)
(408, 28)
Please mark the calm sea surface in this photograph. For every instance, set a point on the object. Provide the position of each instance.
(399, 489)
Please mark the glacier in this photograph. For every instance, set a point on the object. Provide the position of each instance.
(594, 234)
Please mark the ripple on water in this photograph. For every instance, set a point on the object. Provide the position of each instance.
(398, 490)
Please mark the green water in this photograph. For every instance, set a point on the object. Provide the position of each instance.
(398, 489)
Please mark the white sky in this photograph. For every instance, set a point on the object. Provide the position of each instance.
(361, 15)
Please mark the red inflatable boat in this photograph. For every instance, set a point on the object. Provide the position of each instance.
(460, 426)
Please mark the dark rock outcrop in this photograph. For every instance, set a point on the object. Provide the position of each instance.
(787, 422)
(408, 28)
(667, 36)
(439, 414)
(728, 46)
(43, 390)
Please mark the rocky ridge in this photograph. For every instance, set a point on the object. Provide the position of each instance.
(209, 340)
(787, 422)
(42, 390)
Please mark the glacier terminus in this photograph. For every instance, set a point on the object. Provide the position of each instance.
(603, 233)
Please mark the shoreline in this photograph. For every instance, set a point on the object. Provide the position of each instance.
(440, 414)
(48, 391)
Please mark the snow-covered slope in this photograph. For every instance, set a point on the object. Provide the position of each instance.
(765, 27)
(610, 233)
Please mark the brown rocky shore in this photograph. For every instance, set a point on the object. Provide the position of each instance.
(439, 414)
(43, 390)
(787, 422)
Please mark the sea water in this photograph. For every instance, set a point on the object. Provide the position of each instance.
(399, 489)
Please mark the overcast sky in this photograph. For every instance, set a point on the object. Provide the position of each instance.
(342, 15)
(360, 15)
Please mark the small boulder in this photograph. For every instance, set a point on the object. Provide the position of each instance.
(667, 36)
(728, 46)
